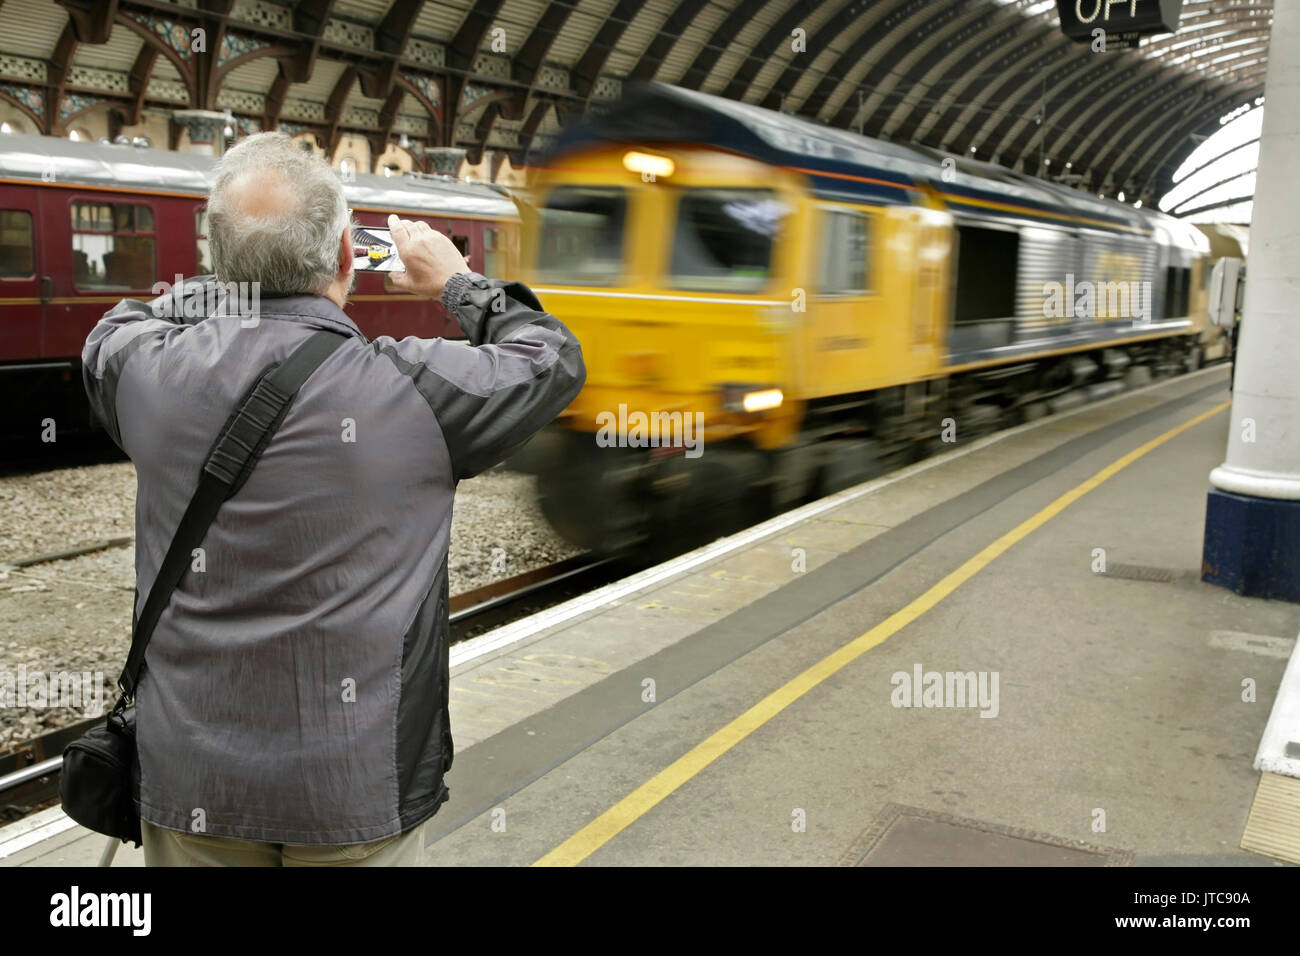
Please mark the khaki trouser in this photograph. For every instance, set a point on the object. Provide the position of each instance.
(171, 848)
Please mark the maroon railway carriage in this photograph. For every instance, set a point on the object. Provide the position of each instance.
(83, 225)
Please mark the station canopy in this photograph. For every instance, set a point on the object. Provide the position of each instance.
(995, 80)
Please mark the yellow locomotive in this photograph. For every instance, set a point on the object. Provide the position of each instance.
(771, 310)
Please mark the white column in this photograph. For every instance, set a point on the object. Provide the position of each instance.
(1266, 393)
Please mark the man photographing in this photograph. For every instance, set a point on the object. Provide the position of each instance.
(293, 707)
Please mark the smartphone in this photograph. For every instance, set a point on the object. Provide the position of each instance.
(373, 250)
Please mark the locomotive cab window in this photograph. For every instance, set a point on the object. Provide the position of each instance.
(15, 244)
(582, 235)
(724, 238)
(112, 246)
(845, 249)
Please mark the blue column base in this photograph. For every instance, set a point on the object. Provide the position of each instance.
(1252, 545)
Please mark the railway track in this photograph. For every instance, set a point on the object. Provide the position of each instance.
(29, 775)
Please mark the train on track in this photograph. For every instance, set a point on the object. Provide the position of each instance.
(772, 310)
(83, 225)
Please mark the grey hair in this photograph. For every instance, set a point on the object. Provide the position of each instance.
(285, 254)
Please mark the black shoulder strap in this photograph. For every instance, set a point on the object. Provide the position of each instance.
(232, 459)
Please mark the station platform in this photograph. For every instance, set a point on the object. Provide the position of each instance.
(744, 704)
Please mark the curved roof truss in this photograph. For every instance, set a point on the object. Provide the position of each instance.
(994, 79)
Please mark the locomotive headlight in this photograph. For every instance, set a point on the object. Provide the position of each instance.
(763, 401)
(645, 163)
(747, 398)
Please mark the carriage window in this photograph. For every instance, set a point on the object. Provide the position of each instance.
(202, 247)
(493, 251)
(844, 245)
(15, 244)
(462, 246)
(112, 246)
(723, 240)
(582, 235)
(92, 217)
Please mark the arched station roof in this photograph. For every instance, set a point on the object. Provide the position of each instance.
(992, 79)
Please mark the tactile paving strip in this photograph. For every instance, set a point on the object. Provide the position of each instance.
(912, 836)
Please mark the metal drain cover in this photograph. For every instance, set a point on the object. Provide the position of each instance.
(911, 836)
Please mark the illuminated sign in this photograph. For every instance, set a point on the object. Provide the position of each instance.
(1119, 18)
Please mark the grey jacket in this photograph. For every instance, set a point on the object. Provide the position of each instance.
(295, 689)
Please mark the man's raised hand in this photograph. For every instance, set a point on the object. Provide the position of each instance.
(430, 258)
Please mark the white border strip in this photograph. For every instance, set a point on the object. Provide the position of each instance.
(34, 829)
(527, 627)
(1283, 723)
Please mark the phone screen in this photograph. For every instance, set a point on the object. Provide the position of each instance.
(373, 250)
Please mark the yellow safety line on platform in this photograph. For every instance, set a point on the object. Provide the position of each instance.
(636, 804)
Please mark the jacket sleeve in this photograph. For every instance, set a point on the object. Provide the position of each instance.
(519, 369)
(117, 336)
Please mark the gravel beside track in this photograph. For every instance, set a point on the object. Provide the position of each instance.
(51, 510)
(74, 615)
